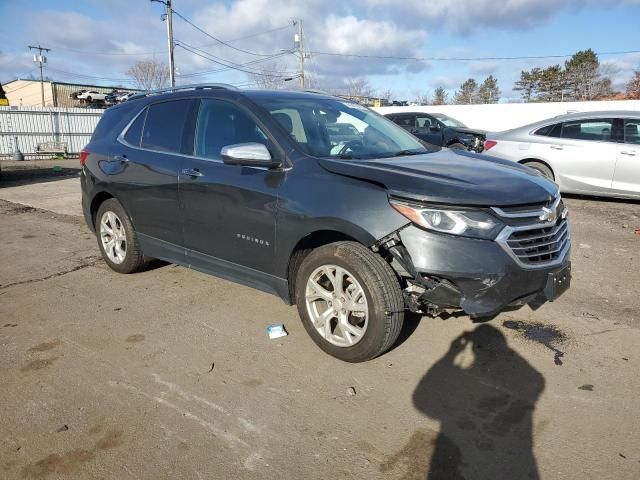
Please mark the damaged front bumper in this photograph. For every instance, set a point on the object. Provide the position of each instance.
(480, 277)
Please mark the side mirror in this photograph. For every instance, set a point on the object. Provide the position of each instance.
(249, 155)
(434, 128)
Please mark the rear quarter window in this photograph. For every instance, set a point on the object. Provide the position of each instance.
(134, 132)
(554, 130)
(109, 119)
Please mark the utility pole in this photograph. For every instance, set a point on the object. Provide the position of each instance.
(300, 44)
(169, 19)
(41, 59)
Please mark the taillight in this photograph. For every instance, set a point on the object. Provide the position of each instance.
(489, 144)
(84, 153)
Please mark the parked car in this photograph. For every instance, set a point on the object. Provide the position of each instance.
(439, 129)
(112, 97)
(91, 96)
(592, 153)
(74, 95)
(252, 186)
(124, 96)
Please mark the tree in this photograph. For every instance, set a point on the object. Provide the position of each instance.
(268, 76)
(528, 84)
(468, 93)
(633, 87)
(358, 87)
(440, 97)
(489, 91)
(149, 74)
(551, 85)
(584, 77)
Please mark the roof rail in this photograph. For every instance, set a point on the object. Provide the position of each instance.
(313, 90)
(195, 86)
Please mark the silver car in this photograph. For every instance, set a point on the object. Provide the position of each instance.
(592, 153)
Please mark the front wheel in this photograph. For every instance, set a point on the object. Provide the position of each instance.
(350, 301)
(457, 146)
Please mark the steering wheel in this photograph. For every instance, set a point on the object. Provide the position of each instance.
(350, 145)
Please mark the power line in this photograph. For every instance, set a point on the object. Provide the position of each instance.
(229, 62)
(207, 56)
(460, 59)
(95, 77)
(155, 52)
(222, 42)
(218, 70)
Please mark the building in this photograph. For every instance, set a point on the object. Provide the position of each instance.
(27, 93)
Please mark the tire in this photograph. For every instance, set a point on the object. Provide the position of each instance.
(542, 168)
(88, 99)
(128, 257)
(371, 298)
(457, 146)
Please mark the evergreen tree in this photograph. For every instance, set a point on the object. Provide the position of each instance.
(467, 94)
(440, 97)
(489, 91)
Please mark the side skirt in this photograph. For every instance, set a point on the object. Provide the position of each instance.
(217, 267)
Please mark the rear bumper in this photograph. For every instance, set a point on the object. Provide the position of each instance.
(478, 276)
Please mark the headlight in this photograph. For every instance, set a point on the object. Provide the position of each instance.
(467, 223)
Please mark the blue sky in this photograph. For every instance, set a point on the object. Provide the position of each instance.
(96, 41)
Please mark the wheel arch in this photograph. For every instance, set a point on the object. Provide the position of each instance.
(304, 246)
(98, 199)
(524, 161)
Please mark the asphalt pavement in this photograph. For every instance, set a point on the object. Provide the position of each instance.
(169, 373)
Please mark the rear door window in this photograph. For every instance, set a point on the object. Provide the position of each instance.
(594, 129)
(632, 131)
(166, 124)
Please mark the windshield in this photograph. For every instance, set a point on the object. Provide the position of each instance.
(448, 121)
(332, 128)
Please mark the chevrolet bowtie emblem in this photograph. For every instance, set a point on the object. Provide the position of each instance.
(548, 215)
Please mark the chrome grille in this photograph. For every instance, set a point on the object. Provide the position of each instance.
(538, 236)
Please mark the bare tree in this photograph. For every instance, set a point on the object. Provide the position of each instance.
(633, 87)
(270, 77)
(358, 87)
(149, 74)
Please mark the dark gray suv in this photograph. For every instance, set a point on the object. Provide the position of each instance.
(356, 225)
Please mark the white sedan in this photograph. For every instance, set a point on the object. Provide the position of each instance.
(91, 96)
(590, 153)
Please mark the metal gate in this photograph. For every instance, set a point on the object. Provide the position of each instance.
(31, 128)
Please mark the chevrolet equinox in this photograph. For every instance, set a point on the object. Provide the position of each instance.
(356, 225)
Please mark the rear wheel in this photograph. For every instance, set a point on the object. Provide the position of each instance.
(117, 239)
(542, 168)
(349, 301)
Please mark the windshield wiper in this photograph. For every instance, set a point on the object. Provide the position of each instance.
(403, 153)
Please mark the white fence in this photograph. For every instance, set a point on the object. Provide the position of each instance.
(33, 126)
(503, 116)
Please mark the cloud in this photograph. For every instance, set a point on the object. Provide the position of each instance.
(465, 16)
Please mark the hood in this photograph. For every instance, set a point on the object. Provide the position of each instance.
(451, 177)
(471, 131)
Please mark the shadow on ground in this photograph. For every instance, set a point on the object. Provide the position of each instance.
(483, 394)
(13, 177)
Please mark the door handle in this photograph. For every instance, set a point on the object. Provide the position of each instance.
(121, 158)
(556, 147)
(192, 172)
(631, 153)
